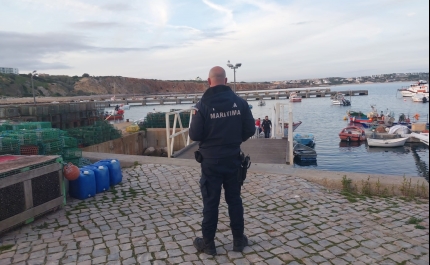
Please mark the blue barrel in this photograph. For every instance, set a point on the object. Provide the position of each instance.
(101, 174)
(115, 174)
(84, 186)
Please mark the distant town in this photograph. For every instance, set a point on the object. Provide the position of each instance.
(382, 78)
(330, 81)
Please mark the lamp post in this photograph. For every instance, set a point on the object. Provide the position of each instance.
(234, 67)
(32, 86)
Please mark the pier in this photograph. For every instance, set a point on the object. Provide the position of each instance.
(247, 95)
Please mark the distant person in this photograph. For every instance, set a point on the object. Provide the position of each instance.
(221, 122)
(116, 107)
(258, 125)
(267, 126)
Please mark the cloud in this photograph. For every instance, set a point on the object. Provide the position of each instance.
(227, 12)
(117, 7)
(94, 25)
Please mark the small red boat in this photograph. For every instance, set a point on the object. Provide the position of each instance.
(352, 134)
(114, 115)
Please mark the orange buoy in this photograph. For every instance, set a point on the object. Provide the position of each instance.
(71, 172)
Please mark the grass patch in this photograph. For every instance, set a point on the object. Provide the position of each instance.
(420, 227)
(409, 191)
(5, 247)
(414, 221)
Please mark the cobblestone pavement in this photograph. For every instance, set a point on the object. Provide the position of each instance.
(154, 215)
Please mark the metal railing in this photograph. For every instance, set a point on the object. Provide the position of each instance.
(171, 137)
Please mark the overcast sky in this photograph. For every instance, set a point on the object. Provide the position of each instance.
(183, 39)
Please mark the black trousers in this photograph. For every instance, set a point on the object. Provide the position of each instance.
(218, 173)
(267, 133)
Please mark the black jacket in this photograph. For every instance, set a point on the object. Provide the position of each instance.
(221, 123)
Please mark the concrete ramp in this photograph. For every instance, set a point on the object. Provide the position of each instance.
(261, 150)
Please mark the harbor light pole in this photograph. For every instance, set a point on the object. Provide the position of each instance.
(234, 67)
(32, 86)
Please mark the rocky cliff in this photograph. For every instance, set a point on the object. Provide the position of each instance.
(58, 86)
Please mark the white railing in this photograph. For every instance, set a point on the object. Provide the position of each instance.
(177, 120)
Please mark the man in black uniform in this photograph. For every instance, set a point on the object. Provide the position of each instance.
(221, 122)
(267, 126)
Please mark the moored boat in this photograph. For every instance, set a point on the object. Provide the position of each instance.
(114, 115)
(303, 152)
(396, 142)
(423, 137)
(420, 97)
(286, 125)
(352, 134)
(418, 87)
(294, 97)
(339, 99)
(307, 139)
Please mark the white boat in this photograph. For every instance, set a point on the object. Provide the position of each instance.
(396, 142)
(124, 107)
(420, 97)
(339, 99)
(419, 87)
(423, 137)
(294, 97)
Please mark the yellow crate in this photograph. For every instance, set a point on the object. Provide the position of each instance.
(132, 128)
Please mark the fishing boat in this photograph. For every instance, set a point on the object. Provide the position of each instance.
(339, 99)
(352, 134)
(286, 125)
(294, 97)
(395, 142)
(307, 139)
(423, 137)
(303, 152)
(262, 103)
(418, 87)
(114, 115)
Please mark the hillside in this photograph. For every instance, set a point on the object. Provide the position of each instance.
(66, 86)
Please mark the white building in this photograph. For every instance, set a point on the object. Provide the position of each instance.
(7, 70)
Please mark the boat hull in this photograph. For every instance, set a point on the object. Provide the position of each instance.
(304, 153)
(386, 142)
(114, 117)
(305, 139)
(352, 134)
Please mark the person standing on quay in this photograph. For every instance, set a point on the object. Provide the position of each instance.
(221, 122)
(267, 126)
(258, 125)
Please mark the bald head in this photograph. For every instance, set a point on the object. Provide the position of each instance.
(217, 76)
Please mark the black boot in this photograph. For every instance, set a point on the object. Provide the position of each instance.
(240, 243)
(207, 248)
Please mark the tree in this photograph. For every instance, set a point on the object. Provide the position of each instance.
(85, 75)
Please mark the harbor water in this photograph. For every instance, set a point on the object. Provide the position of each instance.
(325, 121)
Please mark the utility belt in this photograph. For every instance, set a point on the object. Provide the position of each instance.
(245, 163)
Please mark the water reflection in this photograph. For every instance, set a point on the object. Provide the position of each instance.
(305, 163)
(350, 144)
(398, 150)
(422, 167)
